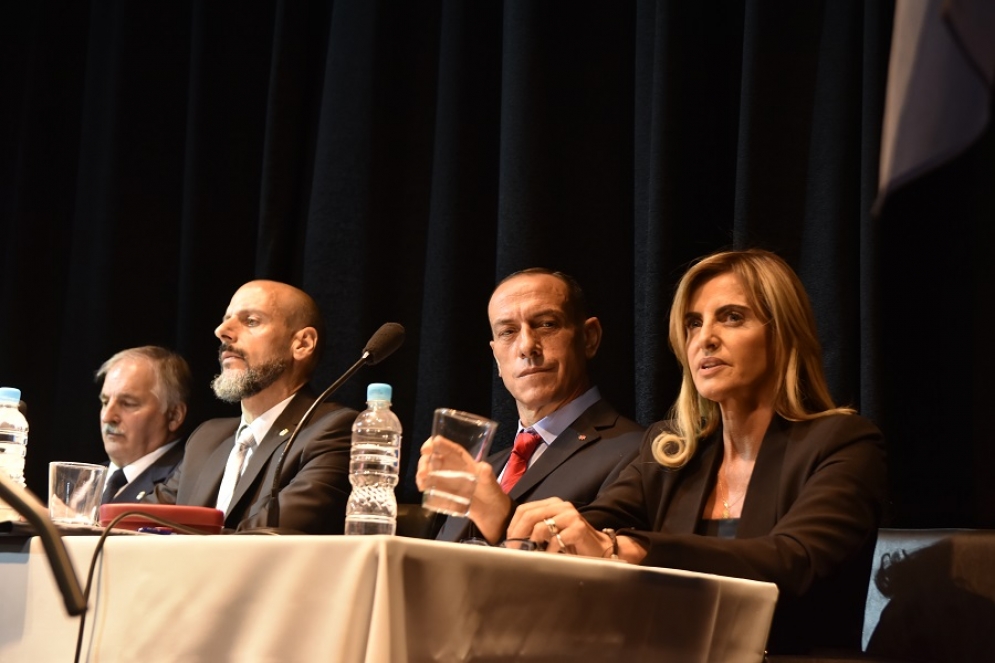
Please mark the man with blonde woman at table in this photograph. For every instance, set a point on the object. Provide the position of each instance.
(757, 474)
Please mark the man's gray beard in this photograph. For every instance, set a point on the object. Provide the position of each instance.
(233, 386)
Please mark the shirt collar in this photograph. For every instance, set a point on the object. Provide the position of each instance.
(132, 470)
(260, 425)
(552, 425)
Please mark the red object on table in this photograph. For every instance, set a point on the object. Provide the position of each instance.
(201, 518)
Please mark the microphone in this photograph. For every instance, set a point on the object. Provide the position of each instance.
(35, 513)
(384, 342)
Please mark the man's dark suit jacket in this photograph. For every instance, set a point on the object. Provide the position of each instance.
(156, 473)
(587, 456)
(809, 521)
(314, 484)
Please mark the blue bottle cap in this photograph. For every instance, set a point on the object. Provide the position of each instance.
(13, 394)
(378, 391)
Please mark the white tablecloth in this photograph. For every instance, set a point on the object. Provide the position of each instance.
(373, 599)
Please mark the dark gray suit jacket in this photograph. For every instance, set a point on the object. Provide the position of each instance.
(314, 485)
(156, 473)
(587, 456)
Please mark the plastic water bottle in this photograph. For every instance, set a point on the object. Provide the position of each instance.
(13, 444)
(373, 466)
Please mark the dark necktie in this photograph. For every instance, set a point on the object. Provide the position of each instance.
(116, 483)
(526, 443)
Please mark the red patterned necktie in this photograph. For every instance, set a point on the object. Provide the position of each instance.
(525, 445)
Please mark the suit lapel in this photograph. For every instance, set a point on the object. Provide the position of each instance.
(454, 529)
(688, 499)
(205, 493)
(154, 474)
(130, 493)
(760, 506)
(274, 441)
(581, 433)
(499, 460)
(689, 496)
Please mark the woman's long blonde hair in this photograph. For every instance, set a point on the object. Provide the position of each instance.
(777, 296)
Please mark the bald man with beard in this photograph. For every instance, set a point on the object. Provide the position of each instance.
(271, 341)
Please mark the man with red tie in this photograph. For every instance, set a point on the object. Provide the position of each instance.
(570, 441)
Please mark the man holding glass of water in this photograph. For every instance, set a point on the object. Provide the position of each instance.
(570, 442)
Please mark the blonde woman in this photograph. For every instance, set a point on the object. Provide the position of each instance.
(757, 474)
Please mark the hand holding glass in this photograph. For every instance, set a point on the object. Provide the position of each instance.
(74, 491)
(452, 476)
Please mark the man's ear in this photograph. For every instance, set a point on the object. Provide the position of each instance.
(304, 343)
(592, 337)
(176, 416)
(496, 362)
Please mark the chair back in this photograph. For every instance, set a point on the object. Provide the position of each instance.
(931, 596)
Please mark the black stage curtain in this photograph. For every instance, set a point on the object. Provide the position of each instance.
(395, 159)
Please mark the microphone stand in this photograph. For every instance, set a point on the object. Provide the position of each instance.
(28, 506)
(273, 514)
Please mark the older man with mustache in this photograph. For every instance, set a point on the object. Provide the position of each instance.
(271, 339)
(143, 405)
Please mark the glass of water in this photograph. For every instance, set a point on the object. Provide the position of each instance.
(452, 475)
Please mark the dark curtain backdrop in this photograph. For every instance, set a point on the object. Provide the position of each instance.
(397, 159)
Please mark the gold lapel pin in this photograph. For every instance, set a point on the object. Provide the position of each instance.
(284, 432)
